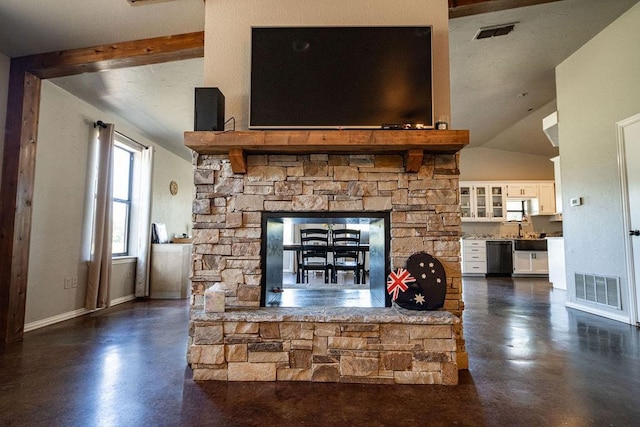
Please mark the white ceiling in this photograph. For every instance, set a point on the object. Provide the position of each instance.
(501, 88)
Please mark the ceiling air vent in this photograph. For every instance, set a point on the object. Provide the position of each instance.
(495, 31)
(135, 2)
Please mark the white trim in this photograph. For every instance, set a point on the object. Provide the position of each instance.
(129, 259)
(632, 285)
(71, 315)
(56, 319)
(123, 299)
(601, 313)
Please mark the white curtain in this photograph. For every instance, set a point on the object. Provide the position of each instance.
(98, 295)
(144, 224)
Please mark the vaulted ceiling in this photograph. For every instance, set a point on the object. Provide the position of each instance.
(501, 87)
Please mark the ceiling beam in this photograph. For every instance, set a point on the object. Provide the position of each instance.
(114, 56)
(21, 137)
(460, 8)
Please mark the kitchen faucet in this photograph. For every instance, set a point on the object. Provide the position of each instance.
(519, 230)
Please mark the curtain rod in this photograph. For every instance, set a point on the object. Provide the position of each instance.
(104, 125)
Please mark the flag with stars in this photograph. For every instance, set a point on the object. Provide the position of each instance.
(429, 290)
(398, 282)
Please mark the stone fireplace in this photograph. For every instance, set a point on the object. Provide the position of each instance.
(411, 175)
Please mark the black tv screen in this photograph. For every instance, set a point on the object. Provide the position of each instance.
(340, 77)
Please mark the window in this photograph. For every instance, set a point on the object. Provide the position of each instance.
(515, 210)
(122, 196)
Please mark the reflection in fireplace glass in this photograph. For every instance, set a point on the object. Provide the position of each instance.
(344, 263)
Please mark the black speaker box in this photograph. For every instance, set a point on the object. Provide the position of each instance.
(209, 109)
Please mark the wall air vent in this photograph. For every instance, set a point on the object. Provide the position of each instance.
(601, 290)
(494, 31)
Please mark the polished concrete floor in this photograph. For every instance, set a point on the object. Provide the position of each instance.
(532, 363)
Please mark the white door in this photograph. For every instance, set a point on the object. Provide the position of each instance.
(629, 148)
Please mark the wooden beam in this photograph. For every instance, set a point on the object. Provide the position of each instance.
(114, 56)
(327, 141)
(237, 160)
(414, 160)
(411, 142)
(20, 144)
(15, 212)
(460, 8)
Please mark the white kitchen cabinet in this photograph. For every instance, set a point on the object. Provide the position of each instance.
(522, 190)
(546, 199)
(498, 201)
(474, 256)
(557, 270)
(545, 203)
(530, 262)
(482, 202)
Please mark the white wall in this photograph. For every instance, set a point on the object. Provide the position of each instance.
(228, 38)
(4, 89)
(64, 132)
(485, 164)
(596, 87)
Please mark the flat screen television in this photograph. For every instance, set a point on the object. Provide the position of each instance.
(341, 77)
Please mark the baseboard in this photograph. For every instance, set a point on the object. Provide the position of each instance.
(591, 310)
(71, 315)
(123, 299)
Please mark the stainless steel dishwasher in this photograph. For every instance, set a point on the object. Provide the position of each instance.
(499, 258)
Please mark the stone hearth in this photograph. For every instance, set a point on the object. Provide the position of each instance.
(236, 183)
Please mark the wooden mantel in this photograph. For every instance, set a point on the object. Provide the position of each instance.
(412, 142)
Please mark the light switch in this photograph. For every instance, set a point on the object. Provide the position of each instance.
(575, 201)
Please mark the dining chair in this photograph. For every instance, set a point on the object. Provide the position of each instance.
(346, 254)
(314, 253)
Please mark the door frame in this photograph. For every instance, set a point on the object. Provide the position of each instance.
(633, 285)
(21, 136)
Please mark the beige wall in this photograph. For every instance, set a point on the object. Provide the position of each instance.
(56, 246)
(484, 164)
(228, 37)
(597, 86)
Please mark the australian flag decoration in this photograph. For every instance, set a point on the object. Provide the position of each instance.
(421, 286)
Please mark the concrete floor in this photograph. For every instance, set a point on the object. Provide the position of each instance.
(532, 363)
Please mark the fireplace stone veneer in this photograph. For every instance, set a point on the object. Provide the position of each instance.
(227, 215)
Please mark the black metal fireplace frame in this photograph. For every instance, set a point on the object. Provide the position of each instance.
(380, 247)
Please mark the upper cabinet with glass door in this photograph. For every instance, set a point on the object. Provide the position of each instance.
(498, 200)
(481, 202)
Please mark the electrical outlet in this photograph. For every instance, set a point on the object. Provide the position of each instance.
(74, 282)
(67, 282)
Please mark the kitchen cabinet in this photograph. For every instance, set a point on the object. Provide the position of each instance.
(557, 270)
(546, 199)
(522, 190)
(482, 202)
(530, 262)
(474, 256)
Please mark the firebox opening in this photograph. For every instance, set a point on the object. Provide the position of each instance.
(286, 284)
